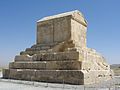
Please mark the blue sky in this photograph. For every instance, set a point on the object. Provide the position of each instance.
(18, 24)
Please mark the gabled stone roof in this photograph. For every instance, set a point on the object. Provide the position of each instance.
(74, 15)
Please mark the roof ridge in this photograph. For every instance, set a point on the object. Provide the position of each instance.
(60, 15)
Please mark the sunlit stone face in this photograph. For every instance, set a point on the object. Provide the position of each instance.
(55, 30)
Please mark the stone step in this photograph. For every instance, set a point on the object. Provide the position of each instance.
(78, 77)
(32, 52)
(38, 48)
(41, 45)
(49, 56)
(47, 65)
(55, 76)
(57, 56)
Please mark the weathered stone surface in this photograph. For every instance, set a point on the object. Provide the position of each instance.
(23, 58)
(58, 76)
(47, 65)
(49, 56)
(60, 54)
(57, 56)
(62, 29)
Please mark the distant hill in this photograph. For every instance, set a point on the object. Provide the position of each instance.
(113, 66)
(116, 69)
(3, 65)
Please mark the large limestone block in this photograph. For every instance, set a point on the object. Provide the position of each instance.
(27, 65)
(47, 31)
(78, 34)
(59, 76)
(47, 65)
(23, 58)
(96, 76)
(56, 76)
(49, 56)
(32, 52)
(56, 56)
(60, 28)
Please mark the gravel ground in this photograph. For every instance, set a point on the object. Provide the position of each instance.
(7, 84)
(11, 86)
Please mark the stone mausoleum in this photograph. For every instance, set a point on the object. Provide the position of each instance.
(60, 54)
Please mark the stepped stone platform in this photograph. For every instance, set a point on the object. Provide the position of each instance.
(60, 54)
